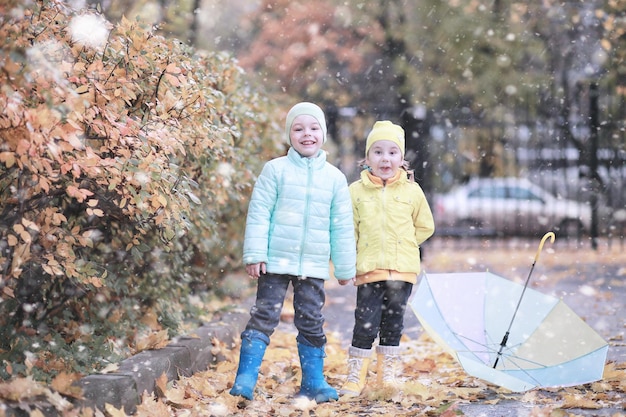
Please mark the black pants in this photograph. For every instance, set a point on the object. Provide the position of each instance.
(380, 308)
(308, 299)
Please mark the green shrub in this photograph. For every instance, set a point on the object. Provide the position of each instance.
(126, 161)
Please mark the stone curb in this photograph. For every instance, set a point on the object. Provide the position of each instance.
(136, 375)
(183, 357)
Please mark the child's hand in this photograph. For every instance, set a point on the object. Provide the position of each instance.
(347, 281)
(254, 271)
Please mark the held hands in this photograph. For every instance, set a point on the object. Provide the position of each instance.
(254, 271)
(347, 281)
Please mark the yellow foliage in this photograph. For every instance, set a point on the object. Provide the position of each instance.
(20, 388)
(153, 340)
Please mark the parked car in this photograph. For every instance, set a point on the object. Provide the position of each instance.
(508, 206)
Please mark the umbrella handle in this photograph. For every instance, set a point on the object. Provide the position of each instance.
(532, 267)
(543, 240)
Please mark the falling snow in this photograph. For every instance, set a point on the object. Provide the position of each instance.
(89, 30)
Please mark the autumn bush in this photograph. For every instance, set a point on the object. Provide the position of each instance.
(126, 160)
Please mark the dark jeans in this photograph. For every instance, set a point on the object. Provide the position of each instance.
(308, 300)
(380, 308)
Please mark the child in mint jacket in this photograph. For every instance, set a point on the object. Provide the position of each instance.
(299, 219)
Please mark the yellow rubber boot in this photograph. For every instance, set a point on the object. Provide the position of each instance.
(358, 364)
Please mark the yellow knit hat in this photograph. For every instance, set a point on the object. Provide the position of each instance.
(385, 130)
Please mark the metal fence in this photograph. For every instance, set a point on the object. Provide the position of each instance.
(582, 160)
(581, 163)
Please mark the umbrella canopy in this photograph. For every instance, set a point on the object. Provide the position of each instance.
(546, 345)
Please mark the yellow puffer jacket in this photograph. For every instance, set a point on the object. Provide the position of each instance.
(390, 222)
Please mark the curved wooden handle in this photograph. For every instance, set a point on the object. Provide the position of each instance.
(543, 240)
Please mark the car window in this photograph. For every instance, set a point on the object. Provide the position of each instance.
(489, 191)
(520, 193)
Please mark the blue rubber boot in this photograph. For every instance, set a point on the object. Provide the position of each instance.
(313, 385)
(253, 344)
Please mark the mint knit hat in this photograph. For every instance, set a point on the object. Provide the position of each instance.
(309, 109)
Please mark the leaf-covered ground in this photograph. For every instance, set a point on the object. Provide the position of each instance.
(434, 384)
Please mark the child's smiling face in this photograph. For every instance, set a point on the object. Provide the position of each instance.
(306, 135)
(384, 158)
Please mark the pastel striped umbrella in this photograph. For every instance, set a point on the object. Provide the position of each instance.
(508, 334)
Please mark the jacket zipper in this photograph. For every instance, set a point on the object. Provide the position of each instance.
(382, 238)
(306, 215)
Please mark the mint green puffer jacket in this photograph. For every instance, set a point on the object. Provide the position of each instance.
(300, 218)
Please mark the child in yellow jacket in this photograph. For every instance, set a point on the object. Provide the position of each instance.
(391, 219)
